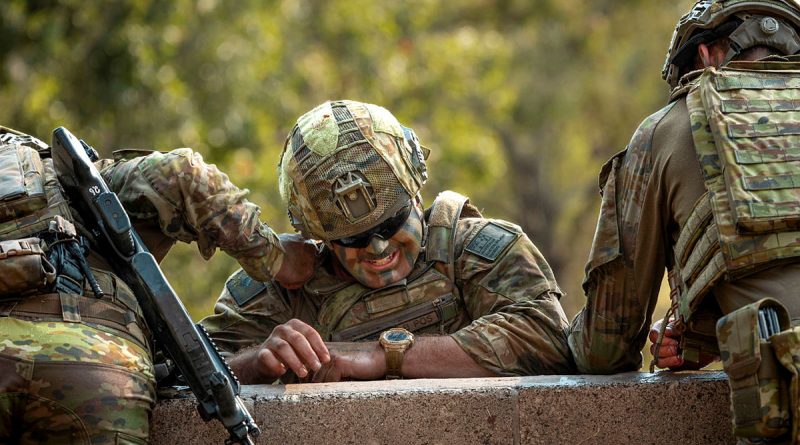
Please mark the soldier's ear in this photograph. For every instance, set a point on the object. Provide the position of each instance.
(711, 55)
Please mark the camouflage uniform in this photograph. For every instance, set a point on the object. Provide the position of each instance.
(503, 311)
(76, 369)
(648, 192)
(346, 168)
(702, 190)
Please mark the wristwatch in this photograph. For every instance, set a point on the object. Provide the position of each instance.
(395, 342)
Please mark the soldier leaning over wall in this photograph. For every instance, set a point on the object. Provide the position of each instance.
(707, 189)
(75, 354)
(394, 290)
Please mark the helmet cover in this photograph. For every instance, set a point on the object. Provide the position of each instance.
(346, 167)
(714, 16)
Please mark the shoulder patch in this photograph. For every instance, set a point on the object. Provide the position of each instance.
(490, 241)
(243, 288)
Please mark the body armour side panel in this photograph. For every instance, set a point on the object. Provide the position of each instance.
(26, 224)
(745, 123)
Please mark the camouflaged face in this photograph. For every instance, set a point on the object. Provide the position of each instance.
(345, 168)
(506, 314)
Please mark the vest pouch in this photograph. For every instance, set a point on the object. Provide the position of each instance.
(23, 267)
(787, 348)
(21, 182)
(760, 404)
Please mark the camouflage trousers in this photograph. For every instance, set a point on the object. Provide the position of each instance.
(71, 383)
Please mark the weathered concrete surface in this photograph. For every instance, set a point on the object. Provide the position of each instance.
(634, 408)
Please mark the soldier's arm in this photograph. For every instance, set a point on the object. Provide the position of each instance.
(191, 200)
(519, 326)
(253, 325)
(627, 261)
(429, 357)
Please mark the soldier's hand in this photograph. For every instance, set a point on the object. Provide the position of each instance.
(669, 354)
(293, 345)
(352, 361)
(299, 260)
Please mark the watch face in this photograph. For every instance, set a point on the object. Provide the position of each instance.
(396, 336)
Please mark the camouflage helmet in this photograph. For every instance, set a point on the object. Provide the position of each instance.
(346, 167)
(747, 23)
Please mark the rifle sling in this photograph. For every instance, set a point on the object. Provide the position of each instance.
(414, 318)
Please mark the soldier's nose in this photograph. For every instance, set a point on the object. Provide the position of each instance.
(377, 245)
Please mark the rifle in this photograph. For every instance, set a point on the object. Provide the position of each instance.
(187, 343)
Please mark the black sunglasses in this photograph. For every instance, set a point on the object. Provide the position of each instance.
(385, 230)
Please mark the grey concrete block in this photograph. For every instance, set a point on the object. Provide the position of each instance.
(627, 408)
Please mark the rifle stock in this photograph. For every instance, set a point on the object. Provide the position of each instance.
(187, 343)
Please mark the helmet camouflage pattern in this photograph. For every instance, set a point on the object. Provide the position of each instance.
(747, 23)
(346, 167)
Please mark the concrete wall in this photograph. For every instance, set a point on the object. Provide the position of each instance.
(634, 408)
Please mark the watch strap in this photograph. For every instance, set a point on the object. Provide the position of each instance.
(394, 362)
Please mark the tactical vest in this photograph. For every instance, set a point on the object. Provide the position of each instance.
(427, 301)
(745, 121)
(32, 203)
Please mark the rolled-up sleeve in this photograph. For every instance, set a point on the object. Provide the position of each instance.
(191, 200)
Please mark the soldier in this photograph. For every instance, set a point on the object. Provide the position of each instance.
(75, 355)
(394, 290)
(704, 189)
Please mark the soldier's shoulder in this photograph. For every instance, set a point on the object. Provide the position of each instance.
(648, 126)
(486, 239)
(244, 291)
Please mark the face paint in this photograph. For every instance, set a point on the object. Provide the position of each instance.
(384, 262)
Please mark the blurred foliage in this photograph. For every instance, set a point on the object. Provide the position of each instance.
(521, 101)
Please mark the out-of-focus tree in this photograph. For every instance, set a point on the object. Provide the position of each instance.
(520, 101)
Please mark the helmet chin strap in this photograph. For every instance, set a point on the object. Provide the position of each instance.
(424, 241)
(761, 30)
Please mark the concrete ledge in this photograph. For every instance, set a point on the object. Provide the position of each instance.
(633, 408)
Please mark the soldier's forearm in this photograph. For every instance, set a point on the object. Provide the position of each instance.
(429, 357)
(245, 366)
(440, 357)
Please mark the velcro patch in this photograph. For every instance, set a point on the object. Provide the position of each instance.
(491, 241)
(243, 288)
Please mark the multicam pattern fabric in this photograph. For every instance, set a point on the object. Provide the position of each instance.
(787, 349)
(332, 141)
(608, 335)
(746, 164)
(760, 402)
(508, 317)
(194, 201)
(666, 204)
(71, 383)
(84, 379)
(709, 14)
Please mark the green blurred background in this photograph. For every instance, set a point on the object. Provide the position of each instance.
(520, 101)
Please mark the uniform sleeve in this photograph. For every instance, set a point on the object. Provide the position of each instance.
(626, 264)
(519, 326)
(194, 201)
(245, 314)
